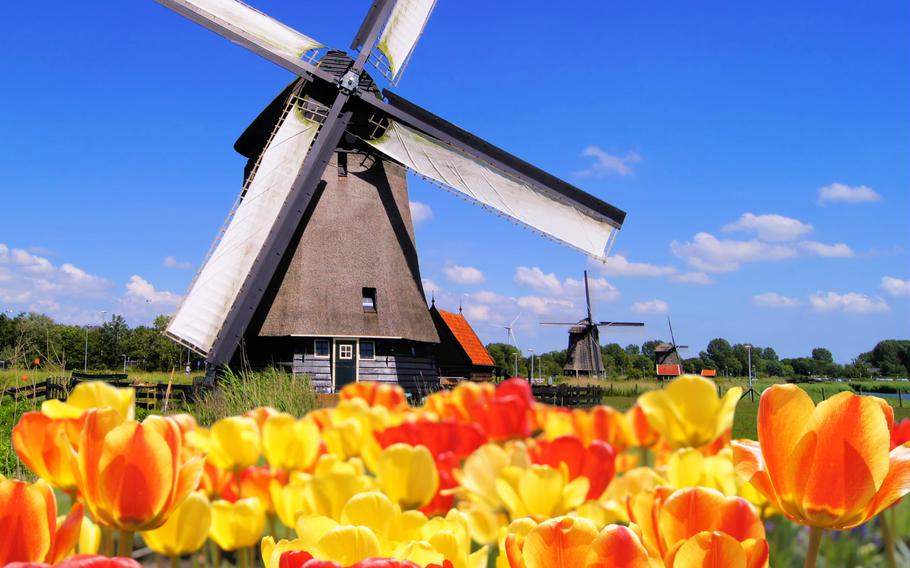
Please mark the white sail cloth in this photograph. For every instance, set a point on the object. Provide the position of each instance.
(252, 24)
(400, 35)
(204, 310)
(524, 203)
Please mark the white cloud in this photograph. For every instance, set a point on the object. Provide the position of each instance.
(651, 307)
(710, 254)
(692, 278)
(605, 163)
(477, 312)
(27, 278)
(430, 287)
(851, 302)
(838, 250)
(771, 227)
(549, 283)
(841, 193)
(171, 262)
(618, 265)
(545, 306)
(775, 300)
(420, 212)
(463, 274)
(139, 289)
(895, 286)
(487, 297)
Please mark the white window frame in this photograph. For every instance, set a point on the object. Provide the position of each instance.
(360, 354)
(328, 343)
(349, 347)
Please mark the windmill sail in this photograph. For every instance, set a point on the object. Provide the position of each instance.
(522, 201)
(252, 29)
(400, 35)
(204, 310)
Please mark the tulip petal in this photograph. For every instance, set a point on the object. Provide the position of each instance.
(67, 534)
(690, 511)
(617, 547)
(782, 414)
(709, 549)
(563, 542)
(896, 484)
(28, 519)
(757, 552)
(348, 544)
(749, 464)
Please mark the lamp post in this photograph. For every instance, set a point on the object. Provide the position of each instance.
(531, 374)
(751, 392)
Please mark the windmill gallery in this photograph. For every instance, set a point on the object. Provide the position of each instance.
(316, 268)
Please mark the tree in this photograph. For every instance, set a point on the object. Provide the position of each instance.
(822, 355)
(647, 349)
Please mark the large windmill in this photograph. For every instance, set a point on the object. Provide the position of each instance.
(316, 265)
(583, 356)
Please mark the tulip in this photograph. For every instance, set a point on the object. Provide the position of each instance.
(237, 525)
(93, 394)
(28, 524)
(89, 537)
(539, 491)
(257, 482)
(261, 414)
(570, 542)
(595, 462)
(688, 412)
(43, 445)
(901, 433)
(288, 443)
(408, 475)
(826, 466)
(131, 475)
(376, 394)
(232, 443)
(185, 531)
(669, 519)
(84, 561)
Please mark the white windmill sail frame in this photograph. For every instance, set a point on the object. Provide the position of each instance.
(253, 24)
(470, 178)
(402, 31)
(211, 295)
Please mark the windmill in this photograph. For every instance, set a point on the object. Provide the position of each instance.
(316, 266)
(669, 362)
(583, 356)
(512, 341)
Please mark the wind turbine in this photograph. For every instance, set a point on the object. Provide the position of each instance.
(512, 341)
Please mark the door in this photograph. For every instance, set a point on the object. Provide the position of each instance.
(345, 363)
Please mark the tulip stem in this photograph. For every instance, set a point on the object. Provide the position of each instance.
(125, 545)
(107, 546)
(175, 561)
(242, 558)
(815, 541)
(887, 539)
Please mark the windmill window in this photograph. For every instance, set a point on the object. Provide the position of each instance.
(367, 350)
(369, 300)
(321, 348)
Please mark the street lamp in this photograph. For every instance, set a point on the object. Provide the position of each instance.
(531, 377)
(751, 391)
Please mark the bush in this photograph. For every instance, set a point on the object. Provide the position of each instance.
(237, 393)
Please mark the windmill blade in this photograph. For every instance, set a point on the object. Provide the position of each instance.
(559, 323)
(514, 320)
(253, 30)
(620, 324)
(205, 308)
(588, 297)
(402, 30)
(461, 162)
(672, 338)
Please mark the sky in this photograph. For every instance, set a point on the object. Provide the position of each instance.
(761, 151)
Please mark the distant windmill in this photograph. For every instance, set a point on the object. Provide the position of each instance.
(669, 363)
(583, 356)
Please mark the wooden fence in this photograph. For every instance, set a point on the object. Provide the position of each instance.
(569, 395)
(150, 396)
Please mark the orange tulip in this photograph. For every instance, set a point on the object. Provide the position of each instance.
(826, 466)
(43, 445)
(376, 394)
(28, 524)
(668, 520)
(130, 474)
(570, 542)
(595, 462)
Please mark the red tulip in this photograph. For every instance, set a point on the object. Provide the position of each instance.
(28, 524)
(596, 461)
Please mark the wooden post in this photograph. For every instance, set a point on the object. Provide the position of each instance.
(900, 398)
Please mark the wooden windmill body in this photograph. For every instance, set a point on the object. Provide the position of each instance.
(316, 268)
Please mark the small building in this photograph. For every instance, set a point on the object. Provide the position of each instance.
(669, 363)
(709, 372)
(460, 354)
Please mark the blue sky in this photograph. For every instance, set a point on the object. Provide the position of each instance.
(760, 150)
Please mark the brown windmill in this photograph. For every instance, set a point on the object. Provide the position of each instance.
(583, 356)
(316, 267)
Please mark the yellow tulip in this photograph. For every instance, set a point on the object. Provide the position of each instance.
(689, 468)
(231, 444)
(408, 475)
(540, 491)
(237, 525)
(325, 540)
(289, 443)
(89, 537)
(688, 412)
(185, 531)
(93, 394)
(343, 439)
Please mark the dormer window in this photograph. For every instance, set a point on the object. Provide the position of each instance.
(369, 300)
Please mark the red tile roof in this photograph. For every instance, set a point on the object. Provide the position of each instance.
(669, 370)
(709, 372)
(466, 337)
